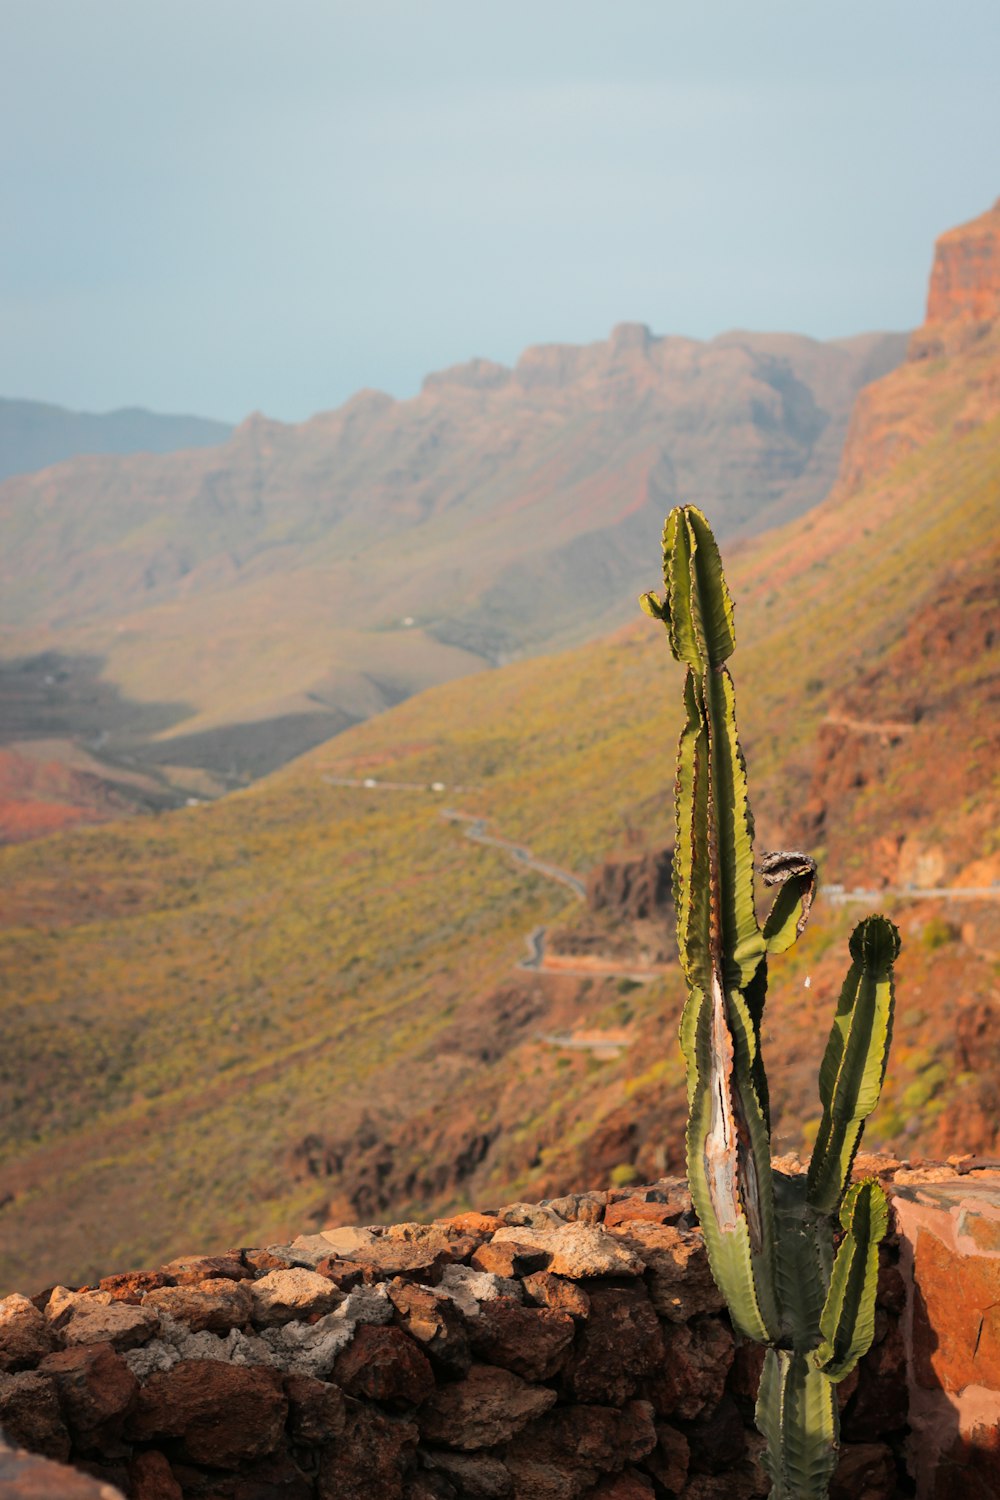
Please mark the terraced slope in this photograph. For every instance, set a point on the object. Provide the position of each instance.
(304, 999)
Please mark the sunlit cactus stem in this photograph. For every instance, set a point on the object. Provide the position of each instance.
(769, 1237)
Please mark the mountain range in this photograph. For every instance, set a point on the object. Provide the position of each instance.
(243, 602)
(304, 1001)
(35, 434)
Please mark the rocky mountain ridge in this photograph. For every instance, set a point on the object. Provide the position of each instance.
(299, 578)
(35, 434)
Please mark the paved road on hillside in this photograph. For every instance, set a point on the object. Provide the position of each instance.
(913, 893)
(833, 893)
(477, 832)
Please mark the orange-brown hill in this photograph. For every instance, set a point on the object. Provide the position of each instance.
(307, 994)
(299, 578)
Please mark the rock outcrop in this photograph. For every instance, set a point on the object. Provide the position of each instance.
(965, 279)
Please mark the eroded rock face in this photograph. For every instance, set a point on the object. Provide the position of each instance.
(965, 279)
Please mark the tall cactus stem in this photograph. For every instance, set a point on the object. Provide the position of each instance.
(769, 1236)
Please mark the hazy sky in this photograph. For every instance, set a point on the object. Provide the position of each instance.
(221, 205)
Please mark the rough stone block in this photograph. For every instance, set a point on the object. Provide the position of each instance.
(282, 1296)
(216, 1305)
(372, 1459)
(531, 1341)
(620, 1344)
(25, 1336)
(30, 1415)
(222, 1414)
(484, 1409)
(384, 1364)
(97, 1390)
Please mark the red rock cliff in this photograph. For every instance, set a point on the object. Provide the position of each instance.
(965, 280)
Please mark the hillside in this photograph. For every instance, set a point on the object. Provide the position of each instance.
(34, 434)
(248, 601)
(304, 999)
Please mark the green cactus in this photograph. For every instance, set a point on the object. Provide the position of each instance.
(770, 1236)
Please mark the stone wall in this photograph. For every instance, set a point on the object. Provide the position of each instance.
(575, 1348)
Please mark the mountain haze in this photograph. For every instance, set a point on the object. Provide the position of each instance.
(304, 1000)
(298, 578)
(34, 434)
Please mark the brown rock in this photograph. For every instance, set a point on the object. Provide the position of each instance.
(411, 1260)
(294, 1295)
(130, 1286)
(151, 1478)
(865, 1471)
(577, 1250)
(585, 1208)
(428, 1487)
(477, 1476)
(436, 1324)
(547, 1290)
(619, 1345)
(222, 1413)
(717, 1438)
(97, 1390)
(670, 1459)
(217, 1304)
(536, 1480)
(693, 1375)
(472, 1223)
(384, 1364)
(594, 1439)
(372, 1459)
(346, 1274)
(60, 1301)
(631, 1210)
(189, 1270)
(485, 1408)
(681, 1283)
(30, 1416)
(25, 1476)
(508, 1258)
(316, 1409)
(745, 1371)
(970, 1470)
(881, 1401)
(956, 1317)
(264, 1260)
(90, 1320)
(531, 1341)
(25, 1337)
(627, 1486)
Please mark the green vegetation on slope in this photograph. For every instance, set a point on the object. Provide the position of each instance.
(185, 998)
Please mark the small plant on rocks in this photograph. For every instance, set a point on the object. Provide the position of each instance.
(772, 1238)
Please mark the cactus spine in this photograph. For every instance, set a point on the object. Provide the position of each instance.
(769, 1236)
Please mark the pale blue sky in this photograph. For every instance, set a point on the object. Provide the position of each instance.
(221, 205)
